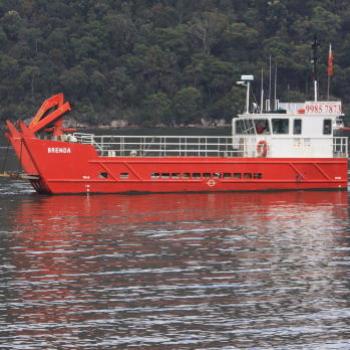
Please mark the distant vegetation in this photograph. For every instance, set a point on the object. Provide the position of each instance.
(171, 62)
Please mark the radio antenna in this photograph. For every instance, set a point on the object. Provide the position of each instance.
(270, 81)
(275, 90)
(262, 91)
(315, 46)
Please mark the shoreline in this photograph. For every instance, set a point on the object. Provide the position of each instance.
(124, 124)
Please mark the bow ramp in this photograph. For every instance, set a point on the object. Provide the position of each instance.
(48, 119)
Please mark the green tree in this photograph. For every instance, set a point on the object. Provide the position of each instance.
(186, 105)
(157, 109)
(75, 82)
(137, 60)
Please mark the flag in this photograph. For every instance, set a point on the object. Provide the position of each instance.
(330, 67)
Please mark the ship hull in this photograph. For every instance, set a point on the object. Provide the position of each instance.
(64, 168)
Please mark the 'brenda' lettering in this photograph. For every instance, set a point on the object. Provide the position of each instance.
(64, 150)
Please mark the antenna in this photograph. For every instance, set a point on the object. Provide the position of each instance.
(245, 81)
(275, 90)
(315, 46)
(262, 91)
(270, 80)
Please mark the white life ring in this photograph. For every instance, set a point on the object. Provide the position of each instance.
(211, 183)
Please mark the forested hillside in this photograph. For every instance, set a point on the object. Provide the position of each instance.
(170, 61)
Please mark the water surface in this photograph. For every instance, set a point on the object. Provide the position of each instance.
(174, 271)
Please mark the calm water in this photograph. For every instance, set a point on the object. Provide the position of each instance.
(194, 271)
(173, 271)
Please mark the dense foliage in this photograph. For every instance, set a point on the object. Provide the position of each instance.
(170, 61)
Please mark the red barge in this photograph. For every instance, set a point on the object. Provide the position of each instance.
(292, 149)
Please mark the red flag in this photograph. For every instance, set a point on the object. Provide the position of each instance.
(330, 67)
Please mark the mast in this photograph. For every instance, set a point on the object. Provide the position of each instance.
(275, 107)
(270, 80)
(247, 97)
(245, 81)
(330, 69)
(315, 46)
(262, 91)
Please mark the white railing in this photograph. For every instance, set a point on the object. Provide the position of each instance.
(340, 147)
(181, 146)
(160, 146)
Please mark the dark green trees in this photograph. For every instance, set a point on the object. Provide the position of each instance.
(163, 62)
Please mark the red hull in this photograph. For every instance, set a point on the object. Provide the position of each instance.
(63, 167)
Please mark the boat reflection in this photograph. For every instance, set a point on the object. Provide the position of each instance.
(62, 213)
(86, 260)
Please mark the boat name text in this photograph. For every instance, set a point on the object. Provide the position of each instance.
(59, 150)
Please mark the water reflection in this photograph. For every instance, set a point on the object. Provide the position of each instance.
(194, 271)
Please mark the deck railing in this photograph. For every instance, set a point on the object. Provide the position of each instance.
(181, 146)
(340, 147)
(161, 146)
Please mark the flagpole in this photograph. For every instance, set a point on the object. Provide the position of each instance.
(330, 69)
(315, 46)
(328, 86)
(262, 91)
(328, 72)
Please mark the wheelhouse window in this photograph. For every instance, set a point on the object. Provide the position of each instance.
(327, 126)
(297, 124)
(262, 126)
(280, 126)
(244, 127)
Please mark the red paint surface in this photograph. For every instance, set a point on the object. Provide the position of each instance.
(79, 171)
